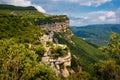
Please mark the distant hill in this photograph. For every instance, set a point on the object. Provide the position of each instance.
(96, 34)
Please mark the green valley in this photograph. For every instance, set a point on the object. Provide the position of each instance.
(96, 34)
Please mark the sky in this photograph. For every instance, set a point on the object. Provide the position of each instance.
(80, 12)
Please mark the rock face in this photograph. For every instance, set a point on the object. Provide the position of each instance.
(57, 26)
(60, 64)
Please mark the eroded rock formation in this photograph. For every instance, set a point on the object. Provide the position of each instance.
(57, 26)
(60, 64)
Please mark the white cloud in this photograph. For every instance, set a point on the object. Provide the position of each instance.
(97, 17)
(102, 18)
(108, 14)
(76, 22)
(87, 2)
(39, 8)
(22, 3)
(18, 2)
(112, 20)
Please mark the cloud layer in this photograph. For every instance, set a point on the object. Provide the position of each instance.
(22, 3)
(97, 17)
(87, 2)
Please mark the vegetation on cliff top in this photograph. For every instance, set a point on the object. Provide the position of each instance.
(11, 7)
(31, 14)
(21, 50)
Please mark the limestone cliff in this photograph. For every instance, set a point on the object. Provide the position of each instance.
(55, 23)
(57, 55)
(59, 64)
(57, 26)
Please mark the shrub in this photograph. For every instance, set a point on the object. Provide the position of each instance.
(49, 43)
(39, 49)
(58, 51)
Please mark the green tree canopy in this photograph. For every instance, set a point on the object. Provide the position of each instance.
(19, 62)
(106, 70)
(113, 47)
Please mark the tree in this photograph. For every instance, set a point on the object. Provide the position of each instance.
(113, 47)
(17, 62)
(81, 75)
(106, 70)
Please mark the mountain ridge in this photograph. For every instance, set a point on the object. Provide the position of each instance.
(96, 34)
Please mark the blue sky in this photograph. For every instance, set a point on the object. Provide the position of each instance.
(80, 12)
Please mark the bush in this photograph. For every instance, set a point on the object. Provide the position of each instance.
(58, 51)
(39, 49)
(49, 43)
(17, 62)
(106, 70)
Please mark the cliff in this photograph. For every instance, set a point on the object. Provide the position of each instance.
(60, 63)
(56, 27)
(54, 23)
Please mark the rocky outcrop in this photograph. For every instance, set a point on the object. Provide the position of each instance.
(57, 26)
(60, 64)
(54, 23)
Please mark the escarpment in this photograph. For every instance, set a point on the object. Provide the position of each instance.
(54, 23)
(57, 56)
(56, 27)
